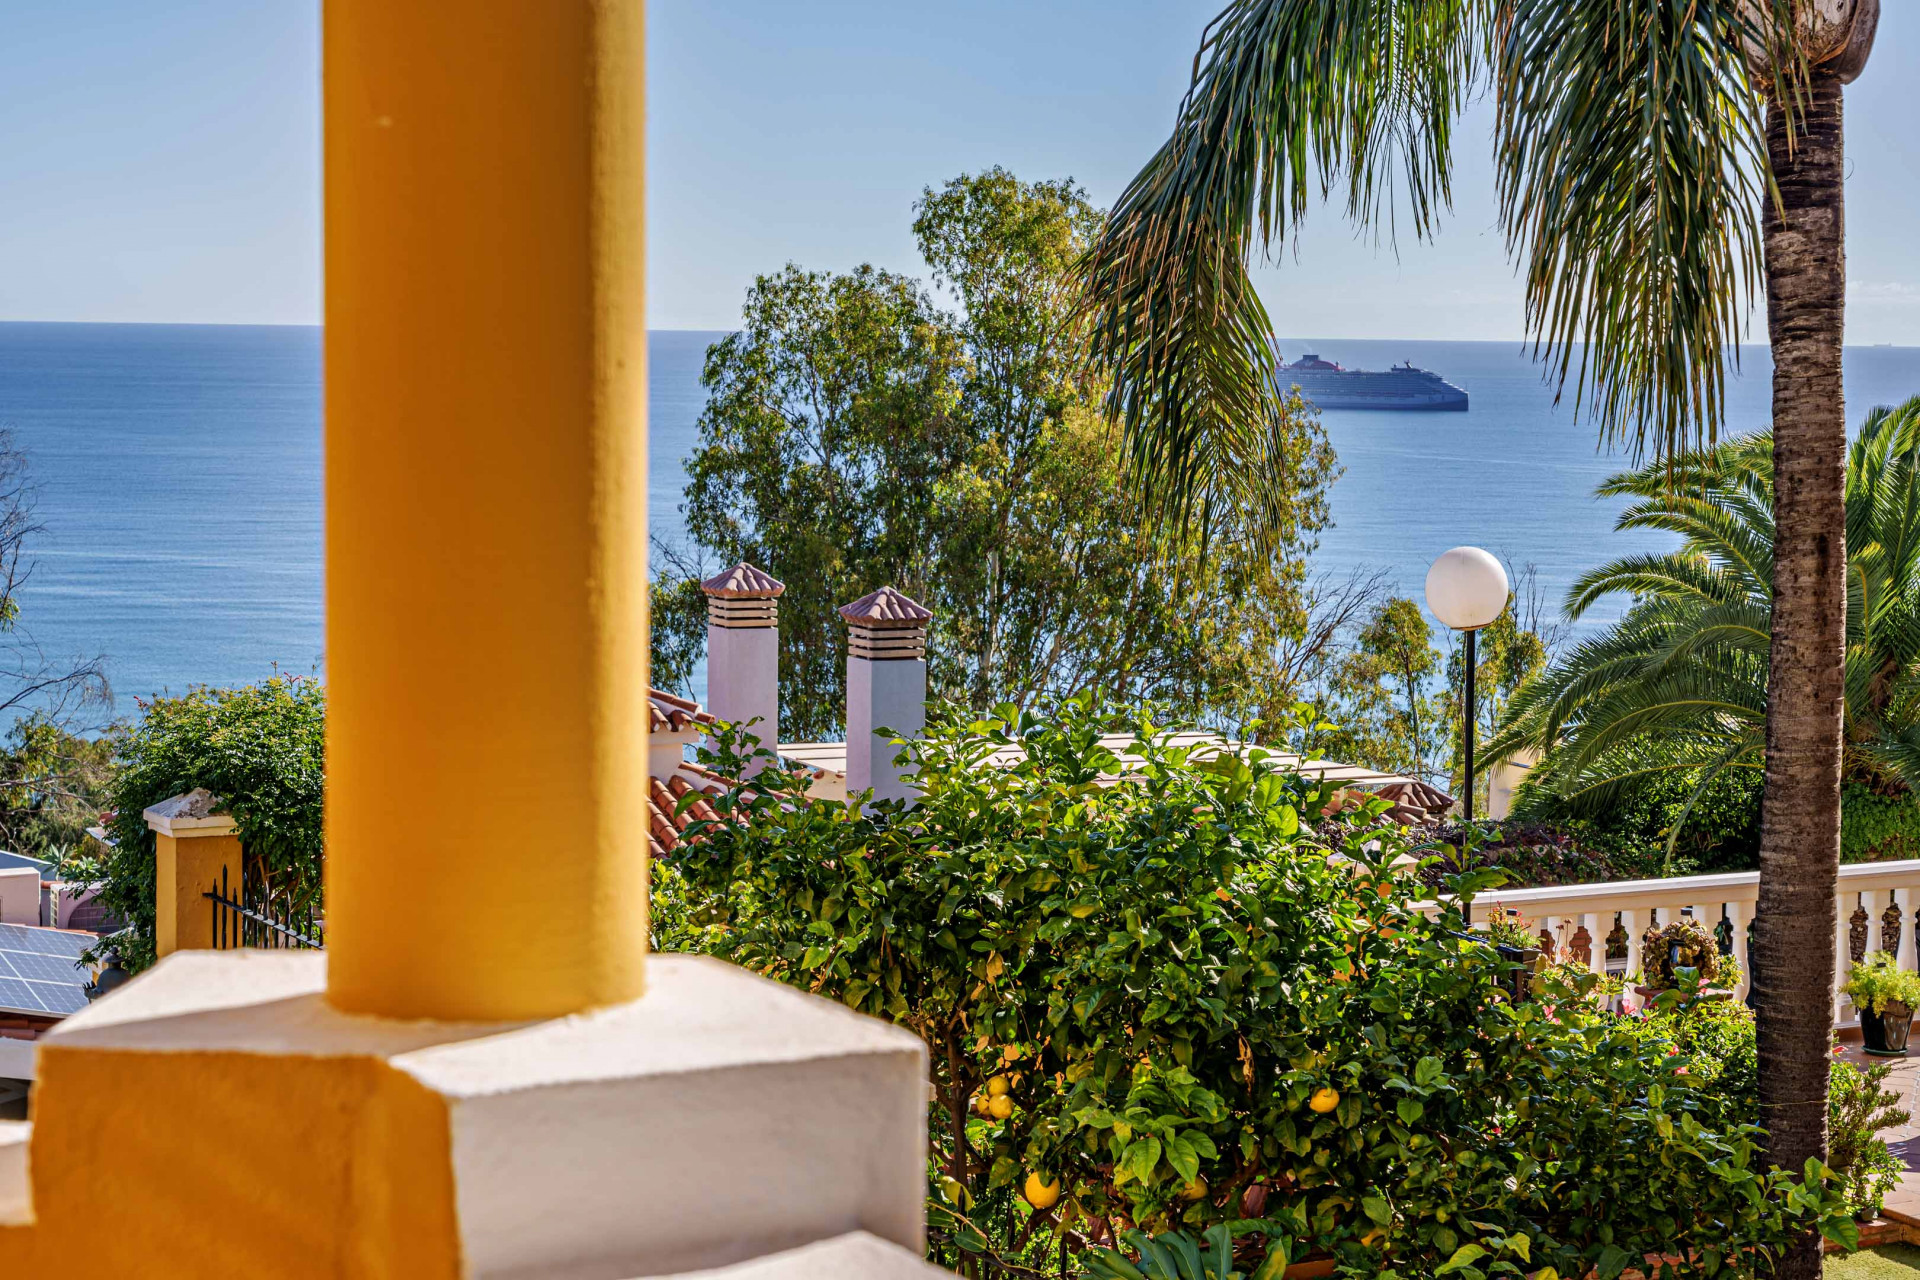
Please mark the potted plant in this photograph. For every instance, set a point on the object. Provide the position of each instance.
(1681, 943)
(1886, 996)
(1505, 929)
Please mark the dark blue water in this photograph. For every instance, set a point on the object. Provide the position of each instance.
(179, 471)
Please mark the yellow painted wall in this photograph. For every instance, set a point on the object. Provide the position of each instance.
(197, 1165)
(486, 506)
(185, 868)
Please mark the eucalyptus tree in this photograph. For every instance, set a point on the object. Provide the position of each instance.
(1660, 163)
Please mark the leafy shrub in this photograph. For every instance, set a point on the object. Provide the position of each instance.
(1859, 1106)
(1721, 832)
(1713, 1041)
(1200, 1014)
(261, 749)
(1531, 854)
(1878, 824)
(1879, 981)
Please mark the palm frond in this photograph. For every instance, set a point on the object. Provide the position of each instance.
(1289, 99)
(1631, 151)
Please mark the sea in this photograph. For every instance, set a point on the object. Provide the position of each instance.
(177, 473)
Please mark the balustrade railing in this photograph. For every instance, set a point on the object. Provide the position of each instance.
(1600, 925)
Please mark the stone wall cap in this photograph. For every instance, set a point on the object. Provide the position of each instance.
(698, 1014)
(198, 812)
(743, 582)
(886, 608)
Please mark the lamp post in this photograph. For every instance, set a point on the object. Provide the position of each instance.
(1467, 590)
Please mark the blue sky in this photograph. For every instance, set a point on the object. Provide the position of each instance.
(159, 158)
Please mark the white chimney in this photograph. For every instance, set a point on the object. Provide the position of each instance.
(886, 687)
(743, 651)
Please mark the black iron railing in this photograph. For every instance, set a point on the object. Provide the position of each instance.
(246, 920)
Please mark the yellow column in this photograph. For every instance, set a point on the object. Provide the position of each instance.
(486, 506)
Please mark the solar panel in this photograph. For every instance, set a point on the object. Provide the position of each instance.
(15, 994)
(38, 973)
(60, 999)
(39, 968)
(47, 942)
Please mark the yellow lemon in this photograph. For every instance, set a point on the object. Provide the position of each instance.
(1040, 1193)
(1324, 1100)
(996, 1086)
(1195, 1190)
(1000, 1108)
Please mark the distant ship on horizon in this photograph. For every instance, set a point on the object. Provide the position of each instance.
(1331, 386)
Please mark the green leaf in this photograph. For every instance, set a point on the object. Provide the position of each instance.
(1465, 1256)
(1275, 1266)
(1183, 1159)
(1139, 1160)
(1842, 1230)
(1428, 1072)
(1410, 1110)
(1613, 1260)
(1378, 1209)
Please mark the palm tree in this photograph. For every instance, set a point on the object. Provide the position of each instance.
(1680, 683)
(1660, 161)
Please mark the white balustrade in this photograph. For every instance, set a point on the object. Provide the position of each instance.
(1876, 886)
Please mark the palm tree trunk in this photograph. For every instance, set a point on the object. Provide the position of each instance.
(1793, 967)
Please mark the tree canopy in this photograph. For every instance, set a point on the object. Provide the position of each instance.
(859, 432)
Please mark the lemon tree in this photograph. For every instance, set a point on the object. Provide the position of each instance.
(1156, 998)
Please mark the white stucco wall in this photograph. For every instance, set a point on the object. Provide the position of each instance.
(19, 896)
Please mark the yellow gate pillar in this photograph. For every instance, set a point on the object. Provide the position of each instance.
(194, 850)
(486, 506)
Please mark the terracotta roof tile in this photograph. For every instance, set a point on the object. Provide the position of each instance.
(670, 714)
(667, 823)
(743, 582)
(886, 608)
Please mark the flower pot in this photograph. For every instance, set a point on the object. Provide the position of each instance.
(1884, 1034)
(1523, 977)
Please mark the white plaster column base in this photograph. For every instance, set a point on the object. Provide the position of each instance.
(858, 1256)
(721, 1118)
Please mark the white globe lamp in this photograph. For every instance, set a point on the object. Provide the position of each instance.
(1467, 590)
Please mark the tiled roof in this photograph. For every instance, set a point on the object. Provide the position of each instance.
(743, 582)
(675, 715)
(666, 821)
(886, 608)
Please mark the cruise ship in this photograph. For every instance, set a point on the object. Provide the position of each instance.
(1329, 386)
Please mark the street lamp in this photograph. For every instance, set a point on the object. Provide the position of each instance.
(1467, 590)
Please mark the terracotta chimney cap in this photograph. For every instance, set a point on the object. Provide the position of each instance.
(886, 608)
(743, 582)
